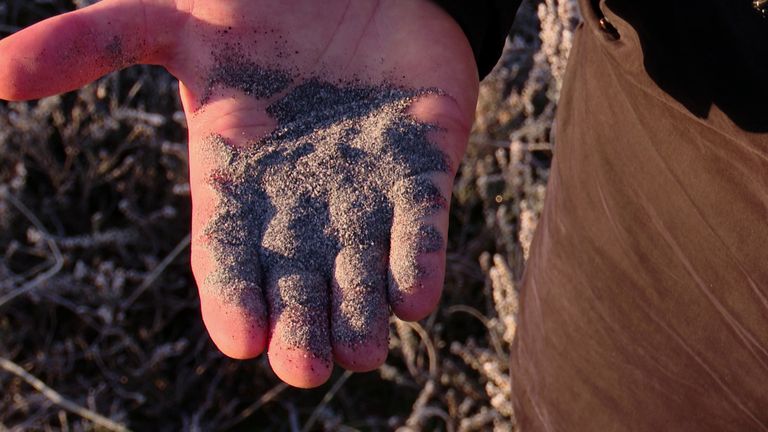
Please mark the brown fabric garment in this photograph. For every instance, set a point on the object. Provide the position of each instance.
(644, 304)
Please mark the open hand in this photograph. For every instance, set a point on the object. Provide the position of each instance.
(323, 139)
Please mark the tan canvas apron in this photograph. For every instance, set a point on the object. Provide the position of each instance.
(645, 300)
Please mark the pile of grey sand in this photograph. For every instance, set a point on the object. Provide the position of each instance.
(321, 190)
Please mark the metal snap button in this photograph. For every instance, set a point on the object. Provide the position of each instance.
(611, 30)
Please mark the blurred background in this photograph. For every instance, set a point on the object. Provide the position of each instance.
(99, 318)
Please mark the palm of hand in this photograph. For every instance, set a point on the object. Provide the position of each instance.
(322, 242)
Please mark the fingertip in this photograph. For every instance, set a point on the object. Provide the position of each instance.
(360, 313)
(363, 357)
(299, 368)
(237, 333)
(299, 348)
(417, 260)
(415, 292)
(233, 311)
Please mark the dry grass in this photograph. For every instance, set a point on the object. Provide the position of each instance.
(99, 320)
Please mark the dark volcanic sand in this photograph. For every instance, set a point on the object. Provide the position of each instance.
(235, 70)
(305, 214)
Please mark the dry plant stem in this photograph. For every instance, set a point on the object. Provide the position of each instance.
(58, 399)
(480, 317)
(424, 396)
(478, 421)
(422, 412)
(429, 412)
(407, 345)
(63, 421)
(58, 260)
(505, 297)
(326, 400)
(293, 417)
(150, 279)
(263, 400)
(431, 351)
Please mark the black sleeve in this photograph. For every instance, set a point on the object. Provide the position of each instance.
(486, 24)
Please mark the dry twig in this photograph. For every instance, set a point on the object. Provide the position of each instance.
(431, 351)
(263, 400)
(58, 260)
(60, 400)
(326, 399)
(150, 279)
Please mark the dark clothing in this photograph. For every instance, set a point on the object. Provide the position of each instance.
(486, 24)
(644, 304)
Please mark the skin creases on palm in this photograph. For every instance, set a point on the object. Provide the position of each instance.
(324, 137)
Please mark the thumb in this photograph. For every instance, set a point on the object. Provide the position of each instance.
(68, 51)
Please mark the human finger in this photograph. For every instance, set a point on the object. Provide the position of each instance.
(68, 51)
(297, 291)
(359, 310)
(299, 347)
(417, 254)
(420, 220)
(229, 277)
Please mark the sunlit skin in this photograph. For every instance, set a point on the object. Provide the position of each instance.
(409, 42)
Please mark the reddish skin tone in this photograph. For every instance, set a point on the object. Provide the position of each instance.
(411, 42)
